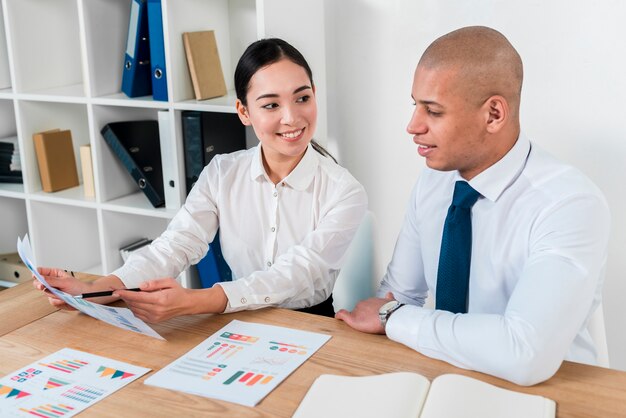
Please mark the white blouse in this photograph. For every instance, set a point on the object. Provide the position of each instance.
(284, 243)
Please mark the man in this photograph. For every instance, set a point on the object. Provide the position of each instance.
(517, 270)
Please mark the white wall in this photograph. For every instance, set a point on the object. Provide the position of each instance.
(573, 103)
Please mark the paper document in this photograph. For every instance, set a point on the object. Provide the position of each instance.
(240, 363)
(63, 384)
(119, 317)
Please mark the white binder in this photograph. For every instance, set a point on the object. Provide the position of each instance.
(172, 187)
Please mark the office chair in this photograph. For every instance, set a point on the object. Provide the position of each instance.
(354, 282)
(597, 331)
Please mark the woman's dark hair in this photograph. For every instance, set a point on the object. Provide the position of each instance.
(262, 53)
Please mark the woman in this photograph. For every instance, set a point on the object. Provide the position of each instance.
(285, 212)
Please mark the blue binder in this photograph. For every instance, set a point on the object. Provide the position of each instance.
(136, 78)
(157, 51)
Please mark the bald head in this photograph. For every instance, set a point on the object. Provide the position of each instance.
(484, 61)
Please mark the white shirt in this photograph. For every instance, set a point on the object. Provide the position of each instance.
(284, 243)
(539, 249)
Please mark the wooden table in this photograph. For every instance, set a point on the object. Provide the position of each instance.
(579, 390)
(21, 305)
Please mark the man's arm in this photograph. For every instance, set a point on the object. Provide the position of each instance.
(550, 303)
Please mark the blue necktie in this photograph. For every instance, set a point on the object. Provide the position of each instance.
(456, 251)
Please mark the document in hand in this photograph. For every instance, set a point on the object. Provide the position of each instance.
(119, 317)
(412, 395)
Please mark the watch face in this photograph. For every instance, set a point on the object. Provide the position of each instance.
(388, 307)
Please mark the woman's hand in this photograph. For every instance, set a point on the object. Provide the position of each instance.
(62, 280)
(162, 299)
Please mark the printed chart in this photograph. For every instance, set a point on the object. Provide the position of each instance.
(240, 363)
(63, 384)
(119, 317)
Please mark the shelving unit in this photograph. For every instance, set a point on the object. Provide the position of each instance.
(67, 74)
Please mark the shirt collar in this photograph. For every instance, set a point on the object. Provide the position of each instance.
(492, 182)
(299, 178)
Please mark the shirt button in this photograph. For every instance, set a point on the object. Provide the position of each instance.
(269, 264)
(267, 300)
(275, 194)
(273, 229)
(244, 300)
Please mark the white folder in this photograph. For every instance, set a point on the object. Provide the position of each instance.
(172, 185)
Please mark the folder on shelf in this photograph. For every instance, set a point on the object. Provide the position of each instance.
(222, 133)
(204, 64)
(10, 164)
(86, 165)
(192, 142)
(169, 160)
(157, 51)
(206, 134)
(12, 269)
(136, 144)
(126, 250)
(136, 78)
(56, 160)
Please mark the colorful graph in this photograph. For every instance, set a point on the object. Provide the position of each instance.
(66, 366)
(54, 382)
(49, 410)
(114, 373)
(239, 337)
(288, 348)
(84, 394)
(198, 368)
(223, 351)
(9, 392)
(26, 375)
(248, 378)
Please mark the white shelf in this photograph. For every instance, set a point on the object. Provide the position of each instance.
(6, 283)
(61, 67)
(12, 190)
(224, 104)
(65, 94)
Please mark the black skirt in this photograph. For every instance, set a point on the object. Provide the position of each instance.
(324, 309)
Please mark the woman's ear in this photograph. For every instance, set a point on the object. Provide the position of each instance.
(242, 112)
(497, 113)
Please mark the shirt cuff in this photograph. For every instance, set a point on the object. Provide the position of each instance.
(238, 297)
(404, 324)
(126, 273)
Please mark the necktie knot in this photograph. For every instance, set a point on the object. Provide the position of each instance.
(464, 195)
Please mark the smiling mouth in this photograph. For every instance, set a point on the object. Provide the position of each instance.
(292, 134)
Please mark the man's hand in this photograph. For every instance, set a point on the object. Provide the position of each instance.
(162, 299)
(364, 317)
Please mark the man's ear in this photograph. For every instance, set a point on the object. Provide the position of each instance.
(497, 113)
(242, 112)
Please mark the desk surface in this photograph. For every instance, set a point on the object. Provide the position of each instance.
(579, 390)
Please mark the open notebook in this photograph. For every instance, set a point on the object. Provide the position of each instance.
(412, 395)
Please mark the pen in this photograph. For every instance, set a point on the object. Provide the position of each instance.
(104, 293)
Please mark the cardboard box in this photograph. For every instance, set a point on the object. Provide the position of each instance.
(12, 269)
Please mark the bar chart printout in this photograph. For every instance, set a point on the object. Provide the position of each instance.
(63, 384)
(240, 363)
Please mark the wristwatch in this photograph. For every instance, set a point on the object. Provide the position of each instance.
(387, 309)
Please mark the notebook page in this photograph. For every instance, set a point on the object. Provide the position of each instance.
(455, 395)
(400, 394)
